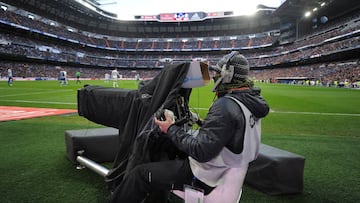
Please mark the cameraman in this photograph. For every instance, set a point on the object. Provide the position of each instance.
(228, 138)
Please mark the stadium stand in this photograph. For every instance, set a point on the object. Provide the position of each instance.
(31, 36)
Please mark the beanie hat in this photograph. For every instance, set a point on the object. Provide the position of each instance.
(239, 72)
(238, 61)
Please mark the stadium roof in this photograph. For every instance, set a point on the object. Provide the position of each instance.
(126, 10)
(73, 13)
(298, 8)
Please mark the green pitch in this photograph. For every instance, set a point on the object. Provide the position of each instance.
(321, 124)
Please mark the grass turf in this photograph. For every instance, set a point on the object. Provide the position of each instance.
(321, 124)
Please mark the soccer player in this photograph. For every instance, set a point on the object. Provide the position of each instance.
(63, 79)
(137, 78)
(10, 77)
(78, 77)
(107, 77)
(115, 75)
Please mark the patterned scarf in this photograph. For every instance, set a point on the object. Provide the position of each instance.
(235, 83)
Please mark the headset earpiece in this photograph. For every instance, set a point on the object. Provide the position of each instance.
(227, 73)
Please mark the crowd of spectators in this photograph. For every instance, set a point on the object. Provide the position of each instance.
(25, 71)
(327, 74)
(213, 41)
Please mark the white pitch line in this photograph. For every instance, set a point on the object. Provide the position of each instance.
(316, 113)
(39, 102)
(303, 113)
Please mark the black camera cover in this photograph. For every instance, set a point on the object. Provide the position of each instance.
(132, 111)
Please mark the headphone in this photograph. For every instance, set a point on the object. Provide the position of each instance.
(227, 70)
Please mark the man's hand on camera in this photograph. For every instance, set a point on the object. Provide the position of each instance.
(169, 120)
